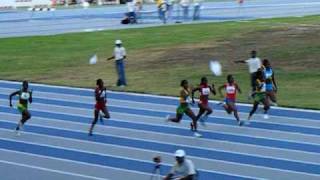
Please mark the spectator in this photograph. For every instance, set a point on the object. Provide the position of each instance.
(185, 8)
(183, 169)
(119, 54)
(131, 5)
(196, 9)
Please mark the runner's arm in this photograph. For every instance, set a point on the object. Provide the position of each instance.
(10, 97)
(274, 82)
(220, 88)
(192, 93)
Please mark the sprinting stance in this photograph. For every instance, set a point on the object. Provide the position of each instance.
(184, 108)
(260, 95)
(203, 103)
(101, 100)
(271, 85)
(25, 97)
(231, 88)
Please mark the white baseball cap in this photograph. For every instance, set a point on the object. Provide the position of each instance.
(180, 153)
(118, 41)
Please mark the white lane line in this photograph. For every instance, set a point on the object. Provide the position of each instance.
(51, 170)
(167, 143)
(145, 95)
(53, 121)
(214, 115)
(208, 131)
(72, 161)
(121, 157)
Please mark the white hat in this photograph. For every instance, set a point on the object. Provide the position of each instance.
(179, 153)
(118, 41)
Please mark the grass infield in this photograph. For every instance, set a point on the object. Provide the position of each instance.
(160, 57)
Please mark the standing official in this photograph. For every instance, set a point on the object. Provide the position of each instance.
(119, 54)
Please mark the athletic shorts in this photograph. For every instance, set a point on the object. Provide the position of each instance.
(229, 101)
(22, 107)
(259, 97)
(204, 103)
(100, 106)
(182, 108)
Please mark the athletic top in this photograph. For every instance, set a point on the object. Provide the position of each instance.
(102, 96)
(204, 93)
(231, 90)
(268, 72)
(261, 86)
(185, 99)
(24, 95)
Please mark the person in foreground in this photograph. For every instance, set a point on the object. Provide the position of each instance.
(25, 97)
(183, 169)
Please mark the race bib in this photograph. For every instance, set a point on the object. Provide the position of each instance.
(230, 89)
(205, 91)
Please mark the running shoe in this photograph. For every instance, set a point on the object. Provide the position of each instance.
(240, 123)
(196, 134)
(167, 119)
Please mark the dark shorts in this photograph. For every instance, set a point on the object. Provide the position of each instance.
(100, 106)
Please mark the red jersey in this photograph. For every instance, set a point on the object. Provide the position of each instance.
(100, 98)
(204, 93)
(231, 90)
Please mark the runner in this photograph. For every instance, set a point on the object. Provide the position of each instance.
(184, 108)
(231, 89)
(260, 95)
(101, 100)
(203, 103)
(271, 85)
(25, 97)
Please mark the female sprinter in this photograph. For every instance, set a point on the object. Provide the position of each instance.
(231, 88)
(203, 103)
(271, 85)
(25, 97)
(260, 95)
(184, 108)
(101, 100)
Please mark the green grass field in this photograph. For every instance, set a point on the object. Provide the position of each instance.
(159, 57)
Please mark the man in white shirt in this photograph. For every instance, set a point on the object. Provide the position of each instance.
(185, 8)
(119, 54)
(254, 63)
(183, 169)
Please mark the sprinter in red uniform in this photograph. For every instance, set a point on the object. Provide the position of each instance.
(101, 100)
(231, 88)
(204, 90)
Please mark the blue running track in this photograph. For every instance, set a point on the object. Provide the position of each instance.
(55, 145)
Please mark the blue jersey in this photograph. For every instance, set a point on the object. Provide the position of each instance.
(268, 72)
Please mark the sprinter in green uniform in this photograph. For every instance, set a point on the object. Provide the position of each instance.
(25, 97)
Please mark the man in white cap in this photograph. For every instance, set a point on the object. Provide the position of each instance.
(183, 169)
(119, 54)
